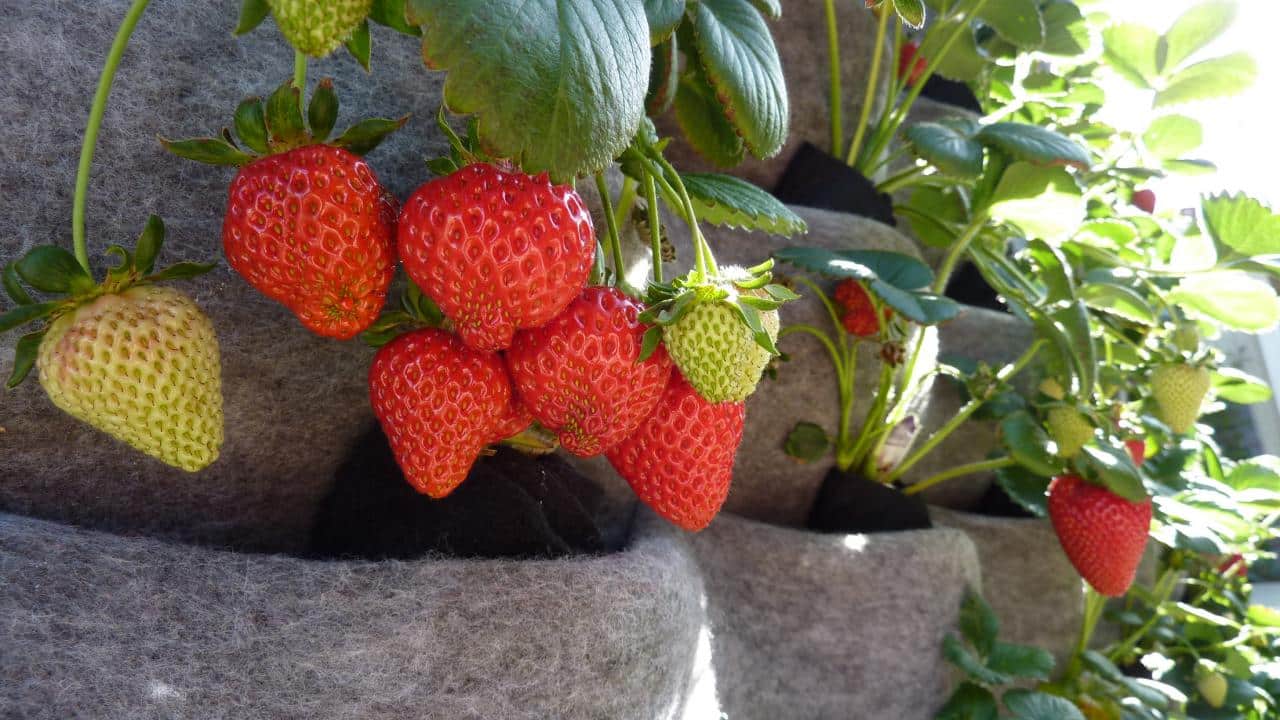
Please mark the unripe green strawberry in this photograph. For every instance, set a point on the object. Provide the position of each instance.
(1069, 429)
(142, 366)
(716, 351)
(1179, 389)
(318, 27)
(1211, 684)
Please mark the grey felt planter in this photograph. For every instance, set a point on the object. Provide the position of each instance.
(124, 627)
(768, 484)
(1026, 577)
(801, 38)
(977, 334)
(294, 402)
(807, 625)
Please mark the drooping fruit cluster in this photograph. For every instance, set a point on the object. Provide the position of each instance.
(857, 311)
(1178, 390)
(1103, 534)
(307, 223)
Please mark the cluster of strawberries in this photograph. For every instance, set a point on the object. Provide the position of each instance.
(506, 258)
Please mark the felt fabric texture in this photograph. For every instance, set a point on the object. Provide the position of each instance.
(106, 626)
(768, 484)
(294, 402)
(976, 335)
(1026, 578)
(801, 38)
(794, 616)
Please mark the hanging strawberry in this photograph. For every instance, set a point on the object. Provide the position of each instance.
(1103, 534)
(307, 223)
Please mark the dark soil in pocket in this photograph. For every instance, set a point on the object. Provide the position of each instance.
(816, 179)
(850, 503)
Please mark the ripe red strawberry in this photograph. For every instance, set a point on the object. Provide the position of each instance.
(858, 314)
(579, 374)
(497, 250)
(1102, 534)
(1144, 200)
(514, 420)
(312, 229)
(910, 64)
(680, 460)
(439, 403)
(1137, 448)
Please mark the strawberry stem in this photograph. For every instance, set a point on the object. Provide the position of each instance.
(655, 230)
(300, 70)
(869, 98)
(1093, 606)
(958, 471)
(614, 242)
(833, 64)
(96, 111)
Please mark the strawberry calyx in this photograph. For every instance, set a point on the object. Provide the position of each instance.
(417, 310)
(278, 125)
(54, 272)
(750, 293)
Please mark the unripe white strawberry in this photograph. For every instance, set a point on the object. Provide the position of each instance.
(1178, 390)
(717, 353)
(318, 27)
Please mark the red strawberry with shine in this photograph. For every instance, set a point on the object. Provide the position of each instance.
(1137, 448)
(1145, 200)
(858, 313)
(312, 229)
(579, 374)
(439, 403)
(680, 460)
(497, 250)
(910, 64)
(1102, 534)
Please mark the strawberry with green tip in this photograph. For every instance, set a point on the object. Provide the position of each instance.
(497, 250)
(581, 376)
(307, 222)
(440, 403)
(1070, 429)
(131, 358)
(318, 27)
(1178, 390)
(1103, 534)
(680, 460)
(721, 331)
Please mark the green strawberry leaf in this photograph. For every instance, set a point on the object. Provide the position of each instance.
(182, 271)
(703, 122)
(911, 12)
(322, 111)
(771, 9)
(1113, 467)
(252, 13)
(1172, 136)
(1130, 50)
(946, 148)
(148, 246)
(978, 622)
(1034, 144)
(1235, 299)
(732, 202)
(737, 53)
(360, 45)
(807, 442)
(391, 14)
(25, 352)
(1066, 32)
(970, 664)
(1017, 21)
(366, 135)
(1028, 489)
(557, 86)
(211, 151)
(1021, 661)
(896, 269)
(49, 268)
(970, 702)
(251, 125)
(24, 314)
(663, 17)
(285, 128)
(1028, 444)
(13, 286)
(1240, 224)
(964, 61)
(1193, 30)
(1214, 78)
(1189, 166)
(1035, 705)
(1238, 386)
(1118, 300)
(664, 77)
(1044, 202)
